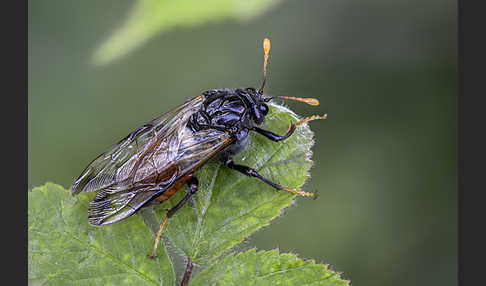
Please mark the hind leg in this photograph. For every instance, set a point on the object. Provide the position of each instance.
(193, 184)
(252, 173)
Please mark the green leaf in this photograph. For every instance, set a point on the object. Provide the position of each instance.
(64, 250)
(232, 206)
(267, 268)
(150, 17)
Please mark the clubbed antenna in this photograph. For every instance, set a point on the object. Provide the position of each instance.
(310, 101)
(266, 50)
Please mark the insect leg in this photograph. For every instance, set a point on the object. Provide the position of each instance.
(252, 173)
(193, 184)
(274, 137)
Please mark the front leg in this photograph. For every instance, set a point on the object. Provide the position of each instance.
(272, 136)
(276, 138)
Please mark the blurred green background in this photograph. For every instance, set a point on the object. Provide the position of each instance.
(385, 71)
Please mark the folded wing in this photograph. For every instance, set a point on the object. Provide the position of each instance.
(147, 163)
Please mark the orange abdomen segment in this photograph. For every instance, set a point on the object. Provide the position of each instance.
(170, 192)
(179, 183)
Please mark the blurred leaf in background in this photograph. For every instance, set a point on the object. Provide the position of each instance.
(150, 17)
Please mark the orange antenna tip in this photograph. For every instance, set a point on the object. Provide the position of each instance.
(266, 50)
(266, 46)
(310, 101)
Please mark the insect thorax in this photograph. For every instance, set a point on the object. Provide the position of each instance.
(227, 110)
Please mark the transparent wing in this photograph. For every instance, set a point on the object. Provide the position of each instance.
(157, 175)
(122, 160)
(116, 203)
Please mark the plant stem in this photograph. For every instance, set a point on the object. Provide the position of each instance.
(187, 274)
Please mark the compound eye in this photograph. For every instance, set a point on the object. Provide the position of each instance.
(263, 108)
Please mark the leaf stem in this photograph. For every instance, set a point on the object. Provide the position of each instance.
(187, 273)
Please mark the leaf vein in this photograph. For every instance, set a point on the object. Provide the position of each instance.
(113, 259)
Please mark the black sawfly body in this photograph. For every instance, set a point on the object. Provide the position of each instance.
(153, 162)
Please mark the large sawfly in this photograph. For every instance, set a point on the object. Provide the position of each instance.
(153, 162)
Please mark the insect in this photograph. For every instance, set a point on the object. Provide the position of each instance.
(153, 162)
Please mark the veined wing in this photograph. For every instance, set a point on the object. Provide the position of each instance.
(120, 161)
(159, 177)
